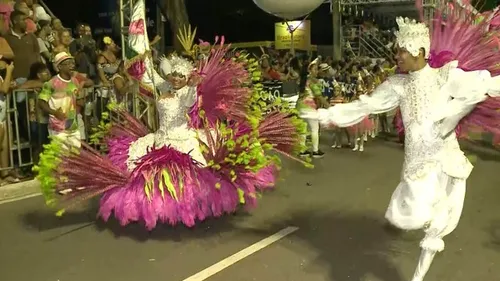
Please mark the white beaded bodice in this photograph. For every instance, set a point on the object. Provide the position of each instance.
(173, 131)
(172, 112)
(419, 100)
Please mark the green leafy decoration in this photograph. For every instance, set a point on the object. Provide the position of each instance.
(49, 162)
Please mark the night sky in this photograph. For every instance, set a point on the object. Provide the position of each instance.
(238, 20)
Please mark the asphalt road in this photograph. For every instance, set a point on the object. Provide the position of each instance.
(338, 208)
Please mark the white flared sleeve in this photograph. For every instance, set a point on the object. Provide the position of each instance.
(189, 97)
(385, 98)
(464, 90)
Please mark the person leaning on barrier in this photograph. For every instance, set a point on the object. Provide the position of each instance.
(85, 82)
(6, 71)
(27, 52)
(108, 62)
(39, 74)
(122, 82)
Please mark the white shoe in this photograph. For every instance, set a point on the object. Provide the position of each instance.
(365, 137)
(356, 144)
(361, 149)
(335, 145)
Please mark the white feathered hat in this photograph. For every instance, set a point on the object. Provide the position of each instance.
(175, 63)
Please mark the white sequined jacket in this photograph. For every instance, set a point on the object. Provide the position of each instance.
(432, 102)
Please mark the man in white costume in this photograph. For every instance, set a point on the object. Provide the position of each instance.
(431, 193)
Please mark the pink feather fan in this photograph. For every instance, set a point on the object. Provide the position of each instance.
(220, 94)
(460, 33)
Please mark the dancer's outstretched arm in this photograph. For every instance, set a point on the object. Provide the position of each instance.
(385, 98)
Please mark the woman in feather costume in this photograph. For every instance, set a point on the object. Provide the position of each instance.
(452, 81)
(209, 155)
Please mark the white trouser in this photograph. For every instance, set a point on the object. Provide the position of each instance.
(313, 126)
(443, 223)
(409, 209)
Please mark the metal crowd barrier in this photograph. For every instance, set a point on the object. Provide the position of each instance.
(26, 125)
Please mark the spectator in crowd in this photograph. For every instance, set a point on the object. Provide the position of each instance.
(6, 71)
(5, 9)
(84, 50)
(57, 27)
(26, 52)
(39, 74)
(268, 73)
(121, 82)
(80, 104)
(79, 33)
(65, 40)
(58, 99)
(326, 79)
(281, 63)
(108, 61)
(39, 11)
(6, 52)
(79, 30)
(293, 70)
(24, 45)
(45, 40)
(276, 67)
(332, 71)
(108, 64)
(84, 63)
(87, 30)
(29, 16)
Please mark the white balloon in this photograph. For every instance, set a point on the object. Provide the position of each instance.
(288, 9)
